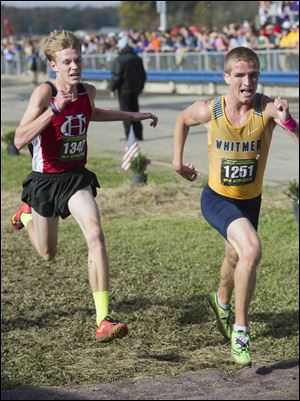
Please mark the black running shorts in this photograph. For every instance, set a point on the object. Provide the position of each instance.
(220, 210)
(49, 194)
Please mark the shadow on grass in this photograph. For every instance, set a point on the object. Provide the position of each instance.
(196, 310)
(193, 309)
(46, 318)
(279, 324)
(173, 358)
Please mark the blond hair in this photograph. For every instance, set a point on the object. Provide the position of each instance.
(240, 53)
(58, 41)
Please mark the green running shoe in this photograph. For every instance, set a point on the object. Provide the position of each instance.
(240, 347)
(225, 318)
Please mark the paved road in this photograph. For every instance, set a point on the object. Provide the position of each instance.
(108, 138)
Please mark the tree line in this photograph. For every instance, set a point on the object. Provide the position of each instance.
(138, 15)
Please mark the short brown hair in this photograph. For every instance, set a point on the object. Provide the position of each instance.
(240, 53)
(57, 41)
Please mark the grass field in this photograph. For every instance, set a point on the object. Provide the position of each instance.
(164, 259)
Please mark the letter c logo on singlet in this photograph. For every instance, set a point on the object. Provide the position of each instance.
(74, 125)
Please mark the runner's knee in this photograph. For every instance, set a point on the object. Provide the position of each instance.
(95, 237)
(252, 254)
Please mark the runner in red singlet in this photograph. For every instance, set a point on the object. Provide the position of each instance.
(55, 125)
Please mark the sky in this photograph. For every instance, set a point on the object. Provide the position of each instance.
(26, 4)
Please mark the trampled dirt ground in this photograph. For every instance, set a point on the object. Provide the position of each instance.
(279, 381)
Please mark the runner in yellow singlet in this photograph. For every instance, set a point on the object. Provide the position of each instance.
(240, 126)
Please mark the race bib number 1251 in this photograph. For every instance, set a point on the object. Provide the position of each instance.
(238, 172)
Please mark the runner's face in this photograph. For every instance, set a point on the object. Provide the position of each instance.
(243, 80)
(68, 66)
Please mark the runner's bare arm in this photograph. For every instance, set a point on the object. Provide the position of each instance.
(116, 115)
(36, 117)
(196, 114)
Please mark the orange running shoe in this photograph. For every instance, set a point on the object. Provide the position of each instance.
(15, 220)
(109, 329)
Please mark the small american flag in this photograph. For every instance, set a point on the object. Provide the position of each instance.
(132, 149)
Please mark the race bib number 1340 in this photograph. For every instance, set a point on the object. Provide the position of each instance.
(73, 148)
(238, 172)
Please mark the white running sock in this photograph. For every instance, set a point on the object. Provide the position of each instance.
(223, 306)
(236, 327)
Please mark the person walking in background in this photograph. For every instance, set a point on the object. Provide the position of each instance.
(32, 65)
(56, 122)
(240, 126)
(128, 79)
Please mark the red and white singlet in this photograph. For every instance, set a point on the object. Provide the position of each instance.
(62, 145)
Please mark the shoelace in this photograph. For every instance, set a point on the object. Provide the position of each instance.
(243, 342)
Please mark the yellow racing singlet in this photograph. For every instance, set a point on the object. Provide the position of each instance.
(237, 156)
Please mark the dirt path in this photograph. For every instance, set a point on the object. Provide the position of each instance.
(279, 381)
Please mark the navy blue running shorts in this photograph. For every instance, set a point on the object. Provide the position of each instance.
(220, 210)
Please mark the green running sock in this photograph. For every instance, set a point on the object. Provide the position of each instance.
(25, 218)
(101, 299)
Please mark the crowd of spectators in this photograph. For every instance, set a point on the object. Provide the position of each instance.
(276, 28)
(195, 38)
